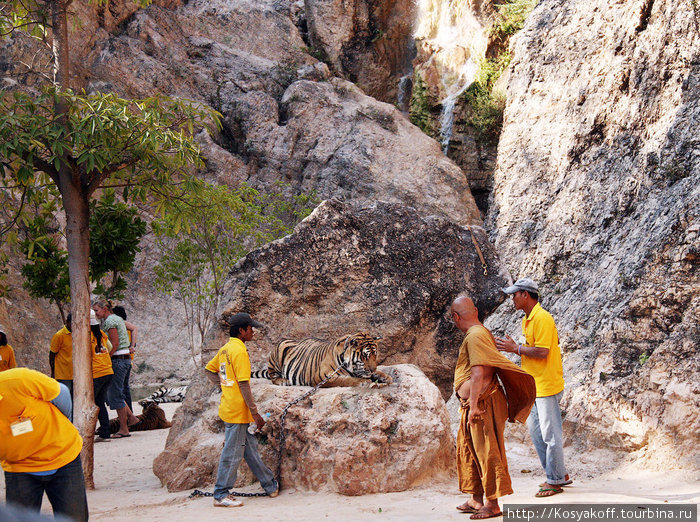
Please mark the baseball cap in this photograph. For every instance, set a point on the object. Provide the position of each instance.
(93, 318)
(2, 329)
(522, 284)
(243, 320)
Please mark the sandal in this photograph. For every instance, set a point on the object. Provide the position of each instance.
(485, 512)
(549, 491)
(466, 508)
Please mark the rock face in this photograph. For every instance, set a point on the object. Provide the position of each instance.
(249, 60)
(597, 196)
(370, 43)
(347, 440)
(383, 269)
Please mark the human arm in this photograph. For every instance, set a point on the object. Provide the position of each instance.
(247, 394)
(11, 363)
(52, 362)
(63, 401)
(481, 376)
(212, 376)
(507, 344)
(113, 335)
(131, 327)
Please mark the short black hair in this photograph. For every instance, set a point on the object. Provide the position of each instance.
(3, 339)
(119, 311)
(534, 295)
(235, 330)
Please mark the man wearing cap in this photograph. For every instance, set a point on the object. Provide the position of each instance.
(230, 368)
(541, 358)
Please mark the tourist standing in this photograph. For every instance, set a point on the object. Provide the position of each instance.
(116, 331)
(101, 375)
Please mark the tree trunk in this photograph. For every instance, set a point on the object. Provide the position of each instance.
(77, 209)
(85, 412)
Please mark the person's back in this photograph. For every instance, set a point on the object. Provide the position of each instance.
(7, 354)
(40, 450)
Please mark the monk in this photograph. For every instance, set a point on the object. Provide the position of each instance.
(482, 467)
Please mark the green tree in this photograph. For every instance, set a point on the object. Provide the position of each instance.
(115, 233)
(198, 251)
(78, 144)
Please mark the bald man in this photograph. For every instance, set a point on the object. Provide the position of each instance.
(482, 467)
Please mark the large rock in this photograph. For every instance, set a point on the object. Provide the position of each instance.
(347, 440)
(597, 196)
(370, 43)
(384, 269)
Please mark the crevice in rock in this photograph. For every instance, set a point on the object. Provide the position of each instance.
(644, 18)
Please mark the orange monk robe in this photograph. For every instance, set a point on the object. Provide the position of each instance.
(482, 467)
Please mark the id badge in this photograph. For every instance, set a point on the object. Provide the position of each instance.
(222, 375)
(21, 426)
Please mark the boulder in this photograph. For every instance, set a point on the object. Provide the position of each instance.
(384, 269)
(351, 441)
(597, 197)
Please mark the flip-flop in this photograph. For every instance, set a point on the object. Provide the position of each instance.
(121, 435)
(484, 513)
(549, 491)
(466, 508)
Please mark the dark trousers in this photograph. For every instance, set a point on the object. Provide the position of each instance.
(65, 490)
(100, 385)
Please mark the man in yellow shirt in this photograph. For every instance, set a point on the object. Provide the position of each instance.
(541, 358)
(40, 449)
(7, 354)
(230, 368)
(482, 467)
(61, 356)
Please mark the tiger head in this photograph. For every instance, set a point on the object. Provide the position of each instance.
(361, 354)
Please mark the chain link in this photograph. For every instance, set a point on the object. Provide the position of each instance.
(282, 441)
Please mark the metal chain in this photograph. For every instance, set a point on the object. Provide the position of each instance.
(283, 441)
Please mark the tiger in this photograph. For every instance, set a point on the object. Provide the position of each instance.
(309, 361)
(165, 394)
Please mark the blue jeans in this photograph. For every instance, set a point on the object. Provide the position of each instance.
(65, 490)
(238, 443)
(545, 428)
(120, 379)
(100, 387)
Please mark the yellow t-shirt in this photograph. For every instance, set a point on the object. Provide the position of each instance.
(233, 366)
(101, 362)
(539, 330)
(52, 442)
(7, 358)
(62, 346)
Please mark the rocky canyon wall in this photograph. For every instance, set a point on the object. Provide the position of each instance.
(597, 196)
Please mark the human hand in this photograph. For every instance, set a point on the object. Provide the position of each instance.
(506, 344)
(475, 414)
(259, 421)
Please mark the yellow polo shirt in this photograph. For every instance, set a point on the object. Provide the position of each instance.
(62, 346)
(7, 358)
(101, 362)
(52, 442)
(233, 366)
(539, 330)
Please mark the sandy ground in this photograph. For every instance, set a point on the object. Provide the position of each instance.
(127, 489)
